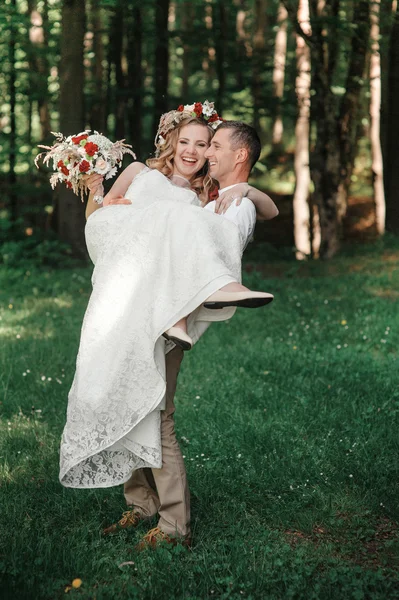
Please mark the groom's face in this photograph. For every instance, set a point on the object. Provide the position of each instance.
(220, 155)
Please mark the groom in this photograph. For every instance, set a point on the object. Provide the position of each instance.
(233, 151)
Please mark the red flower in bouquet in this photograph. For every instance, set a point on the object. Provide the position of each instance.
(76, 139)
(62, 168)
(84, 166)
(198, 109)
(91, 148)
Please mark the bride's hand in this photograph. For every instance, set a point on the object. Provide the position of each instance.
(94, 182)
(235, 194)
(116, 200)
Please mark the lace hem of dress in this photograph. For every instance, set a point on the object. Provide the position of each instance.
(110, 467)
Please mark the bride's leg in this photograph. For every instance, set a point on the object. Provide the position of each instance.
(182, 324)
(236, 294)
(178, 335)
(234, 287)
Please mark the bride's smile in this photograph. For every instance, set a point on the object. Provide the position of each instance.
(192, 144)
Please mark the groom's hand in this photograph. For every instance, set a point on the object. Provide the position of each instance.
(117, 200)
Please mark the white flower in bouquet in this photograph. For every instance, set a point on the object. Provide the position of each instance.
(101, 166)
(76, 156)
(111, 173)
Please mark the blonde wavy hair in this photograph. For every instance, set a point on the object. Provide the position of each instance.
(202, 183)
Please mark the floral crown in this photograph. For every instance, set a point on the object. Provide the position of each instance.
(171, 119)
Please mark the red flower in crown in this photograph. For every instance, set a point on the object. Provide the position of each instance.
(91, 148)
(84, 166)
(78, 138)
(198, 109)
(68, 184)
(180, 108)
(214, 117)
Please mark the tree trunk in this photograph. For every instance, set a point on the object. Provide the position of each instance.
(386, 21)
(44, 69)
(116, 43)
(333, 156)
(38, 63)
(351, 102)
(161, 71)
(97, 117)
(70, 211)
(207, 49)
(375, 111)
(241, 45)
(135, 78)
(187, 20)
(258, 60)
(280, 52)
(325, 155)
(13, 125)
(220, 36)
(302, 172)
(391, 166)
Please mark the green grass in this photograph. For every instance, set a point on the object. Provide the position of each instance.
(288, 418)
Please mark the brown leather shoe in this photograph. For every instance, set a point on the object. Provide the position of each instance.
(154, 537)
(130, 518)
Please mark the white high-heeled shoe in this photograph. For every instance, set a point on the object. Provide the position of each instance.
(247, 299)
(179, 337)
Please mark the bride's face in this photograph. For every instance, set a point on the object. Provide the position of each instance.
(192, 143)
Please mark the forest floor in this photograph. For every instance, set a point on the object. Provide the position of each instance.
(288, 418)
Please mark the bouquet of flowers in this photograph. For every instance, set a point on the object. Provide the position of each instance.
(76, 156)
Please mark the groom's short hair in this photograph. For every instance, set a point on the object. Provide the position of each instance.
(243, 135)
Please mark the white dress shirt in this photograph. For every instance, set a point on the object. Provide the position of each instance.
(244, 215)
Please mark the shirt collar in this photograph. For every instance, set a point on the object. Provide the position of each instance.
(229, 187)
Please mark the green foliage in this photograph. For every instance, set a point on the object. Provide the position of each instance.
(288, 420)
(198, 33)
(37, 252)
(38, 249)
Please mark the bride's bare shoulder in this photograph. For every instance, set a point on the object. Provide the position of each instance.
(134, 169)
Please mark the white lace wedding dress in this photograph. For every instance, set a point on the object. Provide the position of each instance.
(156, 261)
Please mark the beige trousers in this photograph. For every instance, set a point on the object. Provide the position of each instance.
(165, 491)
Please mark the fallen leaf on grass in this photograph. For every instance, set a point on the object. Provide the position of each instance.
(128, 562)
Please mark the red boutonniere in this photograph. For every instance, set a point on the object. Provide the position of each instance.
(213, 193)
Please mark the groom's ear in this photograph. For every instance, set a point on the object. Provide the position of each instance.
(242, 155)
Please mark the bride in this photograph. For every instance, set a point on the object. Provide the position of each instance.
(162, 264)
